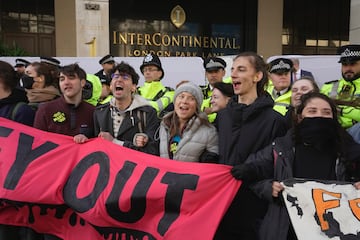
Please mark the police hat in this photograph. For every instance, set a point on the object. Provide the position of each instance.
(214, 63)
(280, 65)
(349, 53)
(50, 60)
(152, 59)
(19, 62)
(107, 59)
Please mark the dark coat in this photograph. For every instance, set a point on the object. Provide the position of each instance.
(304, 73)
(245, 129)
(103, 121)
(22, 113)
(281, 154)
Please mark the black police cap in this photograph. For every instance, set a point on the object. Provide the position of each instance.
(19, 62)
(214, 63)
(107, 59)
(152, 59)
(280, 65)
(349, 53)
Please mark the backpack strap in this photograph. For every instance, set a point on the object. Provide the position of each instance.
(15, 110)
(142, 120)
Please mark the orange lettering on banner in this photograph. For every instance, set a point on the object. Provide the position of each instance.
(355, 207)
(322, 205)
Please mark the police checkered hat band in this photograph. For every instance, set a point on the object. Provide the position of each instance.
(214, 63)
(107, 59)
(50, 60)
(281, 65)
(21, 62)
(152, 59)
(349, 53)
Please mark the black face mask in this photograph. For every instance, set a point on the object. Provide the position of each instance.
(87, 90)
(322, 133)
(26, 82)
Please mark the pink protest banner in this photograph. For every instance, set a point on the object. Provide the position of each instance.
(99, 190)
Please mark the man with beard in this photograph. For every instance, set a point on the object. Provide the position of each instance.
(346, 91)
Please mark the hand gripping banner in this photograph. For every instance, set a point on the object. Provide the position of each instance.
(99, 190)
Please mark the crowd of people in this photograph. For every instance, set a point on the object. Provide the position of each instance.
(240, 121)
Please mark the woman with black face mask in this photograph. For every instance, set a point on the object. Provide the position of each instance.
(44, 83)
(316, 147)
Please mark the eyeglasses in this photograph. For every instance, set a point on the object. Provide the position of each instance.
(124, 76)
(150, 69)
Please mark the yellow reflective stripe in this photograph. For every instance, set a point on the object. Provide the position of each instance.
(161, 104)
(333, 92)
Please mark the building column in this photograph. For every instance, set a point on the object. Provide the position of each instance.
(82, 28)
(354, 34)
(270, 26)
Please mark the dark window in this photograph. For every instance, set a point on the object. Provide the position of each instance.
(31, 16)
(315, 27)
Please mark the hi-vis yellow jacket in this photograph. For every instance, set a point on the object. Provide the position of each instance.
(281, 103)
(157, 94)
(345, 91)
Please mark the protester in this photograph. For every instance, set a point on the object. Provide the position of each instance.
(158, 95)
(13, 106)
(127, 119)
(13, 101)
(246, 125)
(45, 84)
(346, 91)
(214, 73)
(68, 114)
(185, 133)
(221, 95)
(315, 148)
(280, 70)
(299, 88)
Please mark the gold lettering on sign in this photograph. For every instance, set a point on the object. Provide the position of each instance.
(165, 40)
(178, 16)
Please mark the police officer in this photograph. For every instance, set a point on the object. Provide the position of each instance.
(346, 91)
(214, 72)
(159, 96)
(107, 63)
(20, 66)
(280, 70)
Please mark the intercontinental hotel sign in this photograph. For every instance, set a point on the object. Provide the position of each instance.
(137, 38)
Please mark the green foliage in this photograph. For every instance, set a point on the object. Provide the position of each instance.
(13, 50)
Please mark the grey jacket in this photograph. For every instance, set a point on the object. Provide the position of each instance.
(196, 140)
